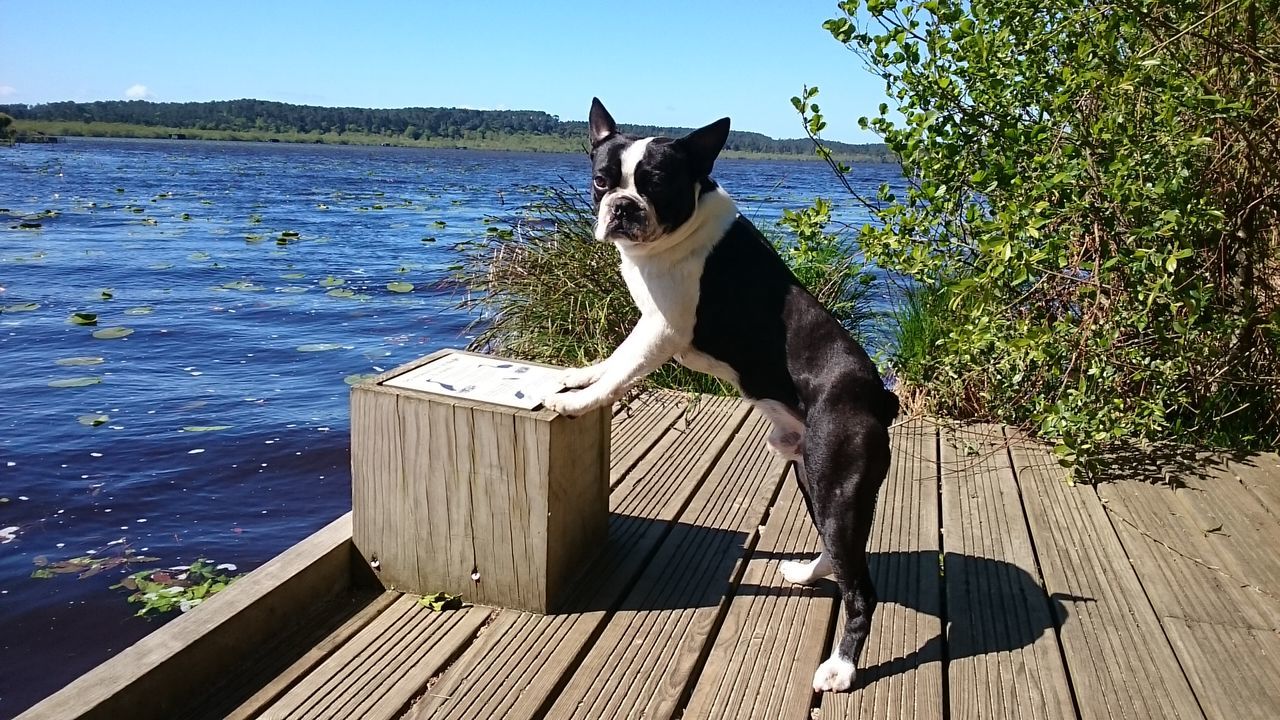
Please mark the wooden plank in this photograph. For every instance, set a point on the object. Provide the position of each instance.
(383, 523)
(383, 665)
(1120, 662)
(649, 652)
(1005, 659)
(1261, 474)
(637, 426)
(1235, 670)
(774, 633)
(157, 676)
(1205, 550)
(1187, 571)
(577, 492)
(900, 673)
(520, 661)
(281, 681)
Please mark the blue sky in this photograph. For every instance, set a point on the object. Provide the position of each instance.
(662, 63)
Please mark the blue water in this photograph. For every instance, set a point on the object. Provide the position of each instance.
(217, 321)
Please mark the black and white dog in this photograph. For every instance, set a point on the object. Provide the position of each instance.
(715, 296)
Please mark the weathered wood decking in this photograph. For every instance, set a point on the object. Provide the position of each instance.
(1005, 593)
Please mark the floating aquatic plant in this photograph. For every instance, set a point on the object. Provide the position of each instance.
(178, 588)
(112, 333)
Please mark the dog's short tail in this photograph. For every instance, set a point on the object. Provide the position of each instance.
(886, 408)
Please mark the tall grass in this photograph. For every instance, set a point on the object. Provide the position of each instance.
(543, 289)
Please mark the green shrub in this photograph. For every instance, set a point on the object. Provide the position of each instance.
(544, 289)
(1091, 214)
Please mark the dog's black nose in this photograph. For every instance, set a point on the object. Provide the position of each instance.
(627, 209)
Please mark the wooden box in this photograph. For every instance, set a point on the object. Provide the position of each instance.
(499, 504)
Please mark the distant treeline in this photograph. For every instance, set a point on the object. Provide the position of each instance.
(410, 124)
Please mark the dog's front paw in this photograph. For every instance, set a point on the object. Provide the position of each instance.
(573, 403)
(801, 573)
(579, 377)
(834, 675)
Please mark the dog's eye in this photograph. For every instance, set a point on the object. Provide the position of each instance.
(601, 182)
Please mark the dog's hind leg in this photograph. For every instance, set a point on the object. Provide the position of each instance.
(845, 473)
(805, 573)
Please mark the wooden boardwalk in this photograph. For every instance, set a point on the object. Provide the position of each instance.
(1005, 593)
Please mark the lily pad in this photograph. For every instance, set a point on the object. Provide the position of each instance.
(320, 347)
(400, 287)
(21, 307)
(440, 224)
(205, 428)
(140, 310)
(112, 333)
(199, 256)
(93, 419)
(242, 285)
(78, 361)
(357, 378)
(293, 276)
(341, 293)
(332, 282)
(292, 289)
(75, 382)
(106, 294)
(83, 318)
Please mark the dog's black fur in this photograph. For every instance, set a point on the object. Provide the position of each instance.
(754, 316)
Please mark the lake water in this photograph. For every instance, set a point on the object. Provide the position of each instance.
(227, 332)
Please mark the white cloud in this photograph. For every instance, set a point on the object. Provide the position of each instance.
(7, 90)
(137, 92)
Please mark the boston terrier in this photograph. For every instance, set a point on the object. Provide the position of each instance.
(714, 295)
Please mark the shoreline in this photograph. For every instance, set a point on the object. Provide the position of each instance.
(527, 143)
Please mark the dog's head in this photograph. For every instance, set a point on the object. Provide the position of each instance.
(645, 188)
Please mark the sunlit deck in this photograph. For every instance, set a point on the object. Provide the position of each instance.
(1005, 593)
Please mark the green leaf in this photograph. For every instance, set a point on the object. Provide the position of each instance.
(83, 318)
(93, 419)
(439, 602)
(140, 310)
(205, 428)
(21, 307)
(400, 287)
(112, 333)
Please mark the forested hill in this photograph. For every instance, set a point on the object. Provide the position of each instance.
(412, 125)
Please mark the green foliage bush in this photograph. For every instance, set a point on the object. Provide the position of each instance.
(544, 289)
(1092, 212)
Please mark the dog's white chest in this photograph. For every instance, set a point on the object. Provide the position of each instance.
(666, 288)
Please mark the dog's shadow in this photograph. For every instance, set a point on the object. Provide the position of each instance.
(985, 605)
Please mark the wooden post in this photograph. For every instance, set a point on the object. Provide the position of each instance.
(499, 504)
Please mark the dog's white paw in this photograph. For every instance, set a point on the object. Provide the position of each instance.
(834, 675)
(579, 377)
(801, 573)
(573, 403)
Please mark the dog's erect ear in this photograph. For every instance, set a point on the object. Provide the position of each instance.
(602, 125)
(705, 144)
